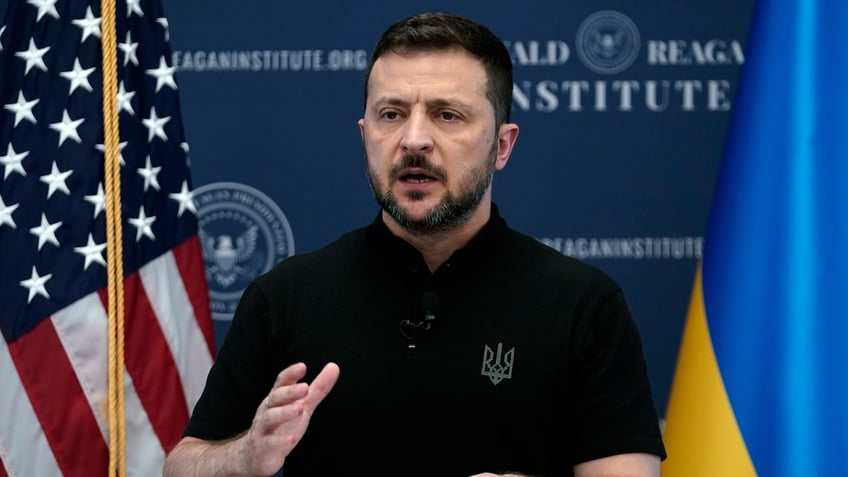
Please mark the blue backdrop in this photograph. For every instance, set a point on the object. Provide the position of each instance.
(623, 108)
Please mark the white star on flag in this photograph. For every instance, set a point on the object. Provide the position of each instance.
(45, 7)
(164, 74)
(155, 125)
(164, 22)
(186, 199)
(142, 225)
(98, 200)
(129, 48)
(121, 146)
(90, 24)
(6, 214)
(56, 180)
(67, 128)
(124, 99)
(134, 6)
(78, 76)
(46, 232)
(22, 109)
(149, 173)
(36, 284)
(34, 56)
(93, 252)
(12, 161)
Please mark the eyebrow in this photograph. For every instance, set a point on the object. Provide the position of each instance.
(434, 103)
(390, 101)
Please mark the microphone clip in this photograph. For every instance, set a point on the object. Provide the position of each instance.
(428, 305)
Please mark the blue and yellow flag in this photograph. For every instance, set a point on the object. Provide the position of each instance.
(761, 386)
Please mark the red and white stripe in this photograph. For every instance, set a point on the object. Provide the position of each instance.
(53, 417)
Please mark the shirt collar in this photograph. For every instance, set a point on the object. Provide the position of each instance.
(399, 251)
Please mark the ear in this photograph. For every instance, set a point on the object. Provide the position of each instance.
(507, 134)
(361, 124)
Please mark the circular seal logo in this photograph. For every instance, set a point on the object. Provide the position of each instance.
(243, 234)
(607, 42)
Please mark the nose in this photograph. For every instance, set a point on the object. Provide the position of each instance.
(417, 137)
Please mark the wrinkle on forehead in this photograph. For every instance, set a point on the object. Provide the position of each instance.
(440, 73)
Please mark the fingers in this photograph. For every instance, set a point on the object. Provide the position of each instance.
(322, 385)
(287, 390)
(290, 375)
(282, 417)
(275, 416)
(285, 394)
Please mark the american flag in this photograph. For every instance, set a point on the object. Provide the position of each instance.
(53, 317)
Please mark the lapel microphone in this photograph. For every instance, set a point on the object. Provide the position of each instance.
(425, 315)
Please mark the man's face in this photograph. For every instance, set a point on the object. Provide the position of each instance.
(431, 145)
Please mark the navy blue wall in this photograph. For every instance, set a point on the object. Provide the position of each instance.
(621, 182)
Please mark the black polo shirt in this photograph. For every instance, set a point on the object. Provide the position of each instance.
(529, 361)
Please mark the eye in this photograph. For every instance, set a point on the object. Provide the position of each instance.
(390, 115)
(448, 116)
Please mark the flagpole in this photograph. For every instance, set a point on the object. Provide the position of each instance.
(114, 248)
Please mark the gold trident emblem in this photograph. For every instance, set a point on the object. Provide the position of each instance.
(494, 367)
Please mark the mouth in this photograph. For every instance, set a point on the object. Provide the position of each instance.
(416, 176)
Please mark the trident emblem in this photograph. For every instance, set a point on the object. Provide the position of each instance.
(496, 368)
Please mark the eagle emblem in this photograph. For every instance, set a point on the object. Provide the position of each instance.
(225, 254)
(606, 44)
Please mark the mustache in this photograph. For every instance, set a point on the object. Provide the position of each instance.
(417, 161)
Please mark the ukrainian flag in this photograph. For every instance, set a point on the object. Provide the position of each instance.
(761, 386)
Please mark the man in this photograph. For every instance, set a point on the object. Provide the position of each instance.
(464, 347)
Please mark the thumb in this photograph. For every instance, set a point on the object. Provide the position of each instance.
(322, 385)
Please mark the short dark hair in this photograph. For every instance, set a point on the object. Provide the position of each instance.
(442, 31)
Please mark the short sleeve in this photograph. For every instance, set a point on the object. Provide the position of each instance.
(613, 408)
(241, 376)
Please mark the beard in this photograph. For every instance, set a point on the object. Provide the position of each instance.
(453, 211)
